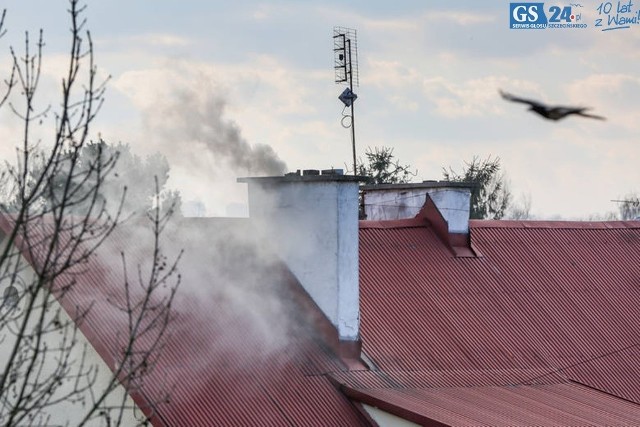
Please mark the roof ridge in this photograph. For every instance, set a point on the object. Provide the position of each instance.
(394, 223)
(550, 224)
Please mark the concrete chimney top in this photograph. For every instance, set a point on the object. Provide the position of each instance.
(399, 201)
(309, 175)
(313, 217)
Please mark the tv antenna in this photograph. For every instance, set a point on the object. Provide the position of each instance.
(345, 63)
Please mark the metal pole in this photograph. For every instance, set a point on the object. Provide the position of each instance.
(353, 120)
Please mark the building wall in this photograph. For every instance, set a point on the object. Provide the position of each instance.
(66, 412)
(385, 419)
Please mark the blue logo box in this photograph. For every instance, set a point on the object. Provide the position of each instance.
(527, 16)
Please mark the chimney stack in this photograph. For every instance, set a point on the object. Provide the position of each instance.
(400, 201)
(313, 220)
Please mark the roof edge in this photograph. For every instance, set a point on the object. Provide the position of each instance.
(403, 412)
(542, 224)
(419, 185)
(392, 223)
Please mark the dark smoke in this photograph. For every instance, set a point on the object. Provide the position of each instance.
(193, 120)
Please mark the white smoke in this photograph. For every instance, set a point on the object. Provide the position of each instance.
(183, 113)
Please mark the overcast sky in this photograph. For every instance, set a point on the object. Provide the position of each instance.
(259, 72)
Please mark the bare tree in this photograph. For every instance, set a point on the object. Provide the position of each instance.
(520, 209)
(53, 225)
(629, 207)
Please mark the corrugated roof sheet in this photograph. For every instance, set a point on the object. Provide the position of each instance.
(541, 405)
(240, 351)
(545, 300)
(499, 339)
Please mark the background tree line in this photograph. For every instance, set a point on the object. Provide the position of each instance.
(491, 195)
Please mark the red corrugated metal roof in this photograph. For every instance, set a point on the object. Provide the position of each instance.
(545, 299)
(241, 350)
(465, 341)
(541, 405)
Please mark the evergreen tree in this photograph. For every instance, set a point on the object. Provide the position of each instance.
(490, 196)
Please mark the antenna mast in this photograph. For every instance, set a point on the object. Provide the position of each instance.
(345, 52)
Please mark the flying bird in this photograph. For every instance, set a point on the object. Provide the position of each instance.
(555, 112)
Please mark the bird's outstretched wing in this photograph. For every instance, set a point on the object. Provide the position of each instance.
(556, 113)
(513, 98)
(591, 116)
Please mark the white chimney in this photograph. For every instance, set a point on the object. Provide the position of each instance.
(400, 201)
(312, 221)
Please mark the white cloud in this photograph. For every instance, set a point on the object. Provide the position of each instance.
(611, 95)
(267, 11)
(160, 40)
(470, 98)
(394, 74)
(394, 25)
(459, 18)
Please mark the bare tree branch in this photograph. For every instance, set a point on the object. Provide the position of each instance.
(54, 222)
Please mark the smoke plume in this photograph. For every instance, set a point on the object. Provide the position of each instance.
(192, 118)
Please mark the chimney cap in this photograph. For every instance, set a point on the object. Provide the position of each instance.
(325, 177)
